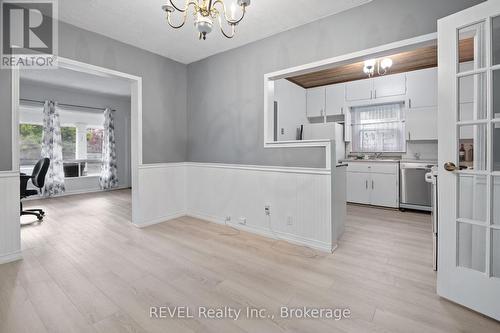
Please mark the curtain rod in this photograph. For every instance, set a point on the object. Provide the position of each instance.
(68, 105)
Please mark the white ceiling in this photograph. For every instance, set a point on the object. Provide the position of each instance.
(142, 23)
(66, 78)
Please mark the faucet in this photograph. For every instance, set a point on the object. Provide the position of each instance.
(378, 155)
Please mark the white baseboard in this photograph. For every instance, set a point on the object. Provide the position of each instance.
(95, 191)
(69, 193)
(11, 257)
(314, 244)
(159, 220)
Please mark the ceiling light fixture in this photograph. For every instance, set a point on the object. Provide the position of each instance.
(205, 12)
(382, 66)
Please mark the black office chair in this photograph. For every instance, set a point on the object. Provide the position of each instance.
(38, 179)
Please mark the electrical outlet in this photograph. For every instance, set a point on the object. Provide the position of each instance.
(243, 220)
(267, 210)
(289, 220)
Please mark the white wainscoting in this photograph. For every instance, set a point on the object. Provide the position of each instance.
(300, 201)
(162, 193)
(305, 206)
(10, 241)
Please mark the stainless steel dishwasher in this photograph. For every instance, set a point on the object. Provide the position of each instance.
(414, 191)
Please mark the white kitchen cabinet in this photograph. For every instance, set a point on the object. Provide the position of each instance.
(389, 86)
(316, 102)
(335, 99)
(359, 90)
(421, 115)
(347, 126)
(422, 88)
(380, 87)
(357, 187)
(421, 124)
(374, 184)
(384, 190)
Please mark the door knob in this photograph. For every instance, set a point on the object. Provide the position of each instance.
(450, 166)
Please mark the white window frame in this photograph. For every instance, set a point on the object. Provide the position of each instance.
(401, 121)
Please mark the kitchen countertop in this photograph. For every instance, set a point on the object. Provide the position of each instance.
(433, 162)
(383, 160)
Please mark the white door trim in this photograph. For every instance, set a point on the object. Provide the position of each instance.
(136, 118)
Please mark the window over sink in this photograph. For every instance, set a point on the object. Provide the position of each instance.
(378, 128)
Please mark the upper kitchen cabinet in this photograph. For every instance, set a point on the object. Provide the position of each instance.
(316, 102)
(378, 88)
(421, 124)
(421, 116)
(359, 90)
(422, 88)
(389, 86)
(335, 99)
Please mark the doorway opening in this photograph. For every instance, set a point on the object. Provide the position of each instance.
(99, 115)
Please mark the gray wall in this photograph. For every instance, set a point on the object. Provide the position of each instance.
(225, 117)
(37, 91)
(225, 113)
(164, 92)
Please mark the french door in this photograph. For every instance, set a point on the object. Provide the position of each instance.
(469, 157)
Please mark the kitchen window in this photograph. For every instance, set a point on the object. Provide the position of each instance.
(378, 129)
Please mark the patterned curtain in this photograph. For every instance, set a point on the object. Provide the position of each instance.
(109, 174)
(52, 149)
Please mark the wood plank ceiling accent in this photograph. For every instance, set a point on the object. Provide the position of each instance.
(421, 58)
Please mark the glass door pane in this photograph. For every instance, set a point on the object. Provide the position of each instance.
(496, 40)
(473, 102)
(472, 196)
(496, 96)
(472, 147)
(496, 199)
(472, 46)
(472, 246)
(495, 257)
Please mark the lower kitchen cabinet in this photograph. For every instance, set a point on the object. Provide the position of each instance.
(373, 184)
(357, 187)
(385, 190)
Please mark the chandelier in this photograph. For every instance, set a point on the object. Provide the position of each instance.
(205, 12)
(381, 66)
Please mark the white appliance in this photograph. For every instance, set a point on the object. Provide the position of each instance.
(328, 131)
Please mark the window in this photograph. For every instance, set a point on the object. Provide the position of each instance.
(94, 150)
(81, 135)
(378, 129)
(30, 142)
(68, 135)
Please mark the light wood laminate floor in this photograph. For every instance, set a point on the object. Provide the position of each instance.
(87, 269)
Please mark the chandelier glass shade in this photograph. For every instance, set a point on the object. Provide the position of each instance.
(205, 12)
